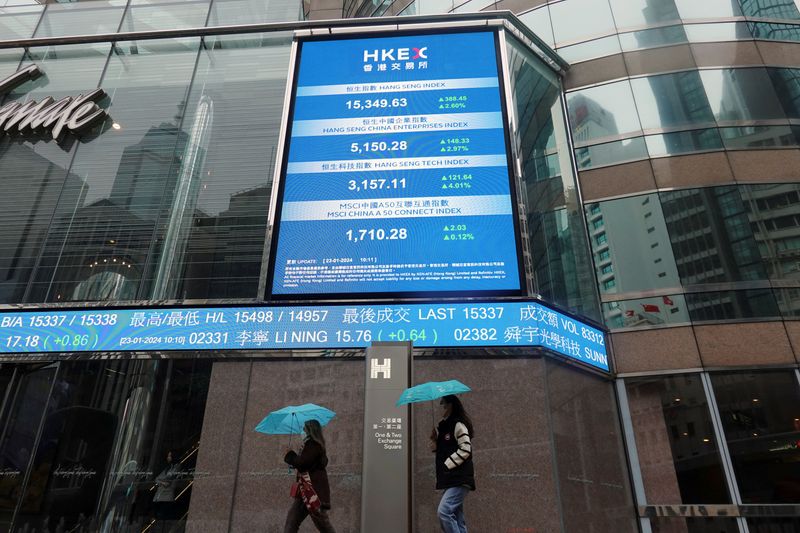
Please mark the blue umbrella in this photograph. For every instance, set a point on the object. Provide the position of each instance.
(290, 419)
(431, 391)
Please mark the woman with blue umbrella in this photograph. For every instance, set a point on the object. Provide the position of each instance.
(312, 497)
(311, 493)
(455, 474)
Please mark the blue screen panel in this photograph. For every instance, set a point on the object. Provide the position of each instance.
(446, 325)
(397, 173)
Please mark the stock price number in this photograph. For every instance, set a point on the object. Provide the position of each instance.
(23, 341)
(377, 103)
(377, 234)
(376, 184)
(358, 335)
(378, 146)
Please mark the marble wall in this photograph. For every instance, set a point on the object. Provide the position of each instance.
(243, 484)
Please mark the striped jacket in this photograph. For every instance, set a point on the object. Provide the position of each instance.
(454, 455)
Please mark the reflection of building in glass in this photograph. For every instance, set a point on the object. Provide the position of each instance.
(774, 214)
(713, 243)
(637, 252)
(781, 9)
(223, 255)
(32, 185)
(590, 121)
(104, 250)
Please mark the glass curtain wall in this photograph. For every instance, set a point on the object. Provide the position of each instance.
(557, 244)
(683, 244)
(163, 200)
(685, 112)
(582, 30)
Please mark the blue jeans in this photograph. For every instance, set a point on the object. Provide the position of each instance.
(451, 510)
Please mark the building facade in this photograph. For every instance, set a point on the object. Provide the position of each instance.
(659, 195)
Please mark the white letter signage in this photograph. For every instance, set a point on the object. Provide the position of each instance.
(70, 114)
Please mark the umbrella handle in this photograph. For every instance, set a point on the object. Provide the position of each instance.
(291, 428)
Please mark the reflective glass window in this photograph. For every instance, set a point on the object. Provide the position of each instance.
(9, 62)
(775, 32)
(635, 13)
(145, 15)
(611, 153)
(774, 213)
(580, 20)
(788, 301)
(683, 142)
(558, 241)
(25, 407)
(760, 414)
(675, 438)
(671, 100)
(741, 94)
(410, 9)
(731, 305)
(432, 7)
(750, 137)
(712, 240)
(539, 21)
(81, 18)
(653, 311)
(640, 256)
(787, 86)
(664, 36)
(224, 12)
(112, 211)
(19, 22)
(602, 111)
(691, 9)
(589, 50)
(152, 411)
(709, 33)
(217, 237)
(771, 9)
(35, 172)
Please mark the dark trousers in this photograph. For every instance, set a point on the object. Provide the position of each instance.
(298, 512)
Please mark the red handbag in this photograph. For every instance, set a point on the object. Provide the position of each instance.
(294, 490)
(309, 495)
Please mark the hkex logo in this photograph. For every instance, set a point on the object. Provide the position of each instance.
(395, 54)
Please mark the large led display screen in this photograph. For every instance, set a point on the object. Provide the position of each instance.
(396, 175)
(505, 324)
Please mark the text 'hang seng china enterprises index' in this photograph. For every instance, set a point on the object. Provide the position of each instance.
(397, 173)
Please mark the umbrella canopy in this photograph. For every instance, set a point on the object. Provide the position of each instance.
(290, 419)
(431, 391)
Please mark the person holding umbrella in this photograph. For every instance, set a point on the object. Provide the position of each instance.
(455, 474)
(311, 492)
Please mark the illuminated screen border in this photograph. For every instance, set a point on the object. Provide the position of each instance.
(285, 143)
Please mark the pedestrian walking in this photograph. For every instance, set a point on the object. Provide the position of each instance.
(455, 474)
(311, 494)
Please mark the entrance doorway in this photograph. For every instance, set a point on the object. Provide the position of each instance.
(84, 445)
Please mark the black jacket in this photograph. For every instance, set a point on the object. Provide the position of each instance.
(454, 466)
(312, 459)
